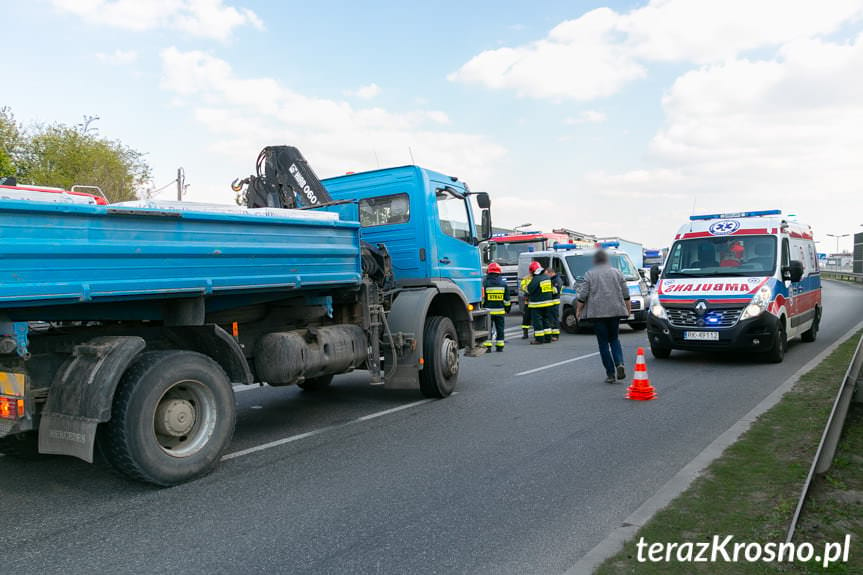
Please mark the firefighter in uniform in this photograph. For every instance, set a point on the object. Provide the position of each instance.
(540, 290)
(496, 301)
(554, 314)
(525, 310)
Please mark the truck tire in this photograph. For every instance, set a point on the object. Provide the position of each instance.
(569, 321)
(316, 383)
(172, 417)
(23, 446)
(810, 334)
(439, 375)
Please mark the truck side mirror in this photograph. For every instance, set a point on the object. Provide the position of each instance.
(793, 272)
(483, 201)
(654, 274)
(485, 227)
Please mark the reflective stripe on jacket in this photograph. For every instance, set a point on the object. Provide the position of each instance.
(540, 290)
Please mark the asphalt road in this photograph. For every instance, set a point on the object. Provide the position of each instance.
(517, 473)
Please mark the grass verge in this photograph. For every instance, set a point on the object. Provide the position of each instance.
(751, 491)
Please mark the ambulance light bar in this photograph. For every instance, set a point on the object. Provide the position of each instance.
(608, 244)
(736, 215)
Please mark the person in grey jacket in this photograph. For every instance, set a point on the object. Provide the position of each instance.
(603, 299)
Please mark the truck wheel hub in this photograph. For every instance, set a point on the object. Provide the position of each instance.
(175, 417)
(449, 355)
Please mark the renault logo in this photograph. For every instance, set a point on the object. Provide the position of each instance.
(700, 308)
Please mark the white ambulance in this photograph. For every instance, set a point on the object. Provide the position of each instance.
(744, 281)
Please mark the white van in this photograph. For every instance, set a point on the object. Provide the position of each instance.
(571, 262)
(745, 281)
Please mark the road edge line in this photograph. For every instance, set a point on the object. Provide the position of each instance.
(615, 541)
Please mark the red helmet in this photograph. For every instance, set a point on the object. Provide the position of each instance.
(534, 266)
(493, 268)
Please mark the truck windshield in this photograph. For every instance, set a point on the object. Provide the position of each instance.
(506, 254)
(722, 257)
(579, 264)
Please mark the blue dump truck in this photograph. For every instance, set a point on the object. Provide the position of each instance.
(124, 327)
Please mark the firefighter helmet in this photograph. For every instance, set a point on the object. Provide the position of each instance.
(534, 266)
(493, 268)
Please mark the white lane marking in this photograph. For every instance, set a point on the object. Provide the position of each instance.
(307, 434)
(551, 365)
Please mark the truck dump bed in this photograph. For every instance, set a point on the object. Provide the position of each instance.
(70, 254)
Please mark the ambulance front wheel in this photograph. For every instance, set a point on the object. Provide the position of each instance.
(660, 351)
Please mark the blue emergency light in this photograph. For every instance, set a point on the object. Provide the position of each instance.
(754, 214)
(558, 246)
(607, 245)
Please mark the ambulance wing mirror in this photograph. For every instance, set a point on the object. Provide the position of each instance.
(654, 274)
(793, 272)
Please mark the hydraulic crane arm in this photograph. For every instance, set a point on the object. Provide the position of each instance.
(283, 179)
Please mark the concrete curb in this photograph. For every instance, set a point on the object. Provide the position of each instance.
(615, 540)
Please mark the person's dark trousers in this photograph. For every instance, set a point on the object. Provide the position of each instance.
(498, 325)
(607, 330)
(525, 320)
(538, 316)
(554, 321)
(549, 312)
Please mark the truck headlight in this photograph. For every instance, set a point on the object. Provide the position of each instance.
(656, 310)
(758, 305)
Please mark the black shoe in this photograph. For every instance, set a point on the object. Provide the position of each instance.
(610, 378)
(499, 349)
(548, 339)
(537, 342)
(555, 338)
(621, 373)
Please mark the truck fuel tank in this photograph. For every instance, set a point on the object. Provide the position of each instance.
(287, 357)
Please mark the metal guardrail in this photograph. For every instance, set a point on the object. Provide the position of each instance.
(832, 431)
(845, 276)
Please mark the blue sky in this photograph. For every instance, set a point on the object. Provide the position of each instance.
(608, 117)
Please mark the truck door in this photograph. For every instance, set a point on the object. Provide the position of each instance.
(456, 255)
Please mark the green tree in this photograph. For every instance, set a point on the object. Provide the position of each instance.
(63, 156)
(10, 139)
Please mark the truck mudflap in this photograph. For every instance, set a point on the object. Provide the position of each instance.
(82, 393)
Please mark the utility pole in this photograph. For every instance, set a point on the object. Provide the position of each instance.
(181, 183)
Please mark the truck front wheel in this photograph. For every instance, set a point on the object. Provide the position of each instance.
(441, 358)
(172, 418)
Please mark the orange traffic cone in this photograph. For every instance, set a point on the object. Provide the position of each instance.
(640, 390)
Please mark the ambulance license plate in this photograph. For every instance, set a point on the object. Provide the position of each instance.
(701, 335)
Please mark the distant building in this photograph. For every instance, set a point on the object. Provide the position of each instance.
(858, 253)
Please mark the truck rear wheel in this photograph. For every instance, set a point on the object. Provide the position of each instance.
(439, 375)
(172, 418)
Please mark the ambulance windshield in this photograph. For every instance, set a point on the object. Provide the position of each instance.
(722, 257)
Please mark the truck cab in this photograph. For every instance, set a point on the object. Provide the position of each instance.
(571, 262)
(427, 221)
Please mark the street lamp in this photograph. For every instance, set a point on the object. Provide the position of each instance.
(838, 237)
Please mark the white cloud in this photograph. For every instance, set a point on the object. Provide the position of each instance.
(746, 134)
(366, 92)
(203, 18)
(118, 57)
(244, 114)
(597, 54)
(586, 117)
